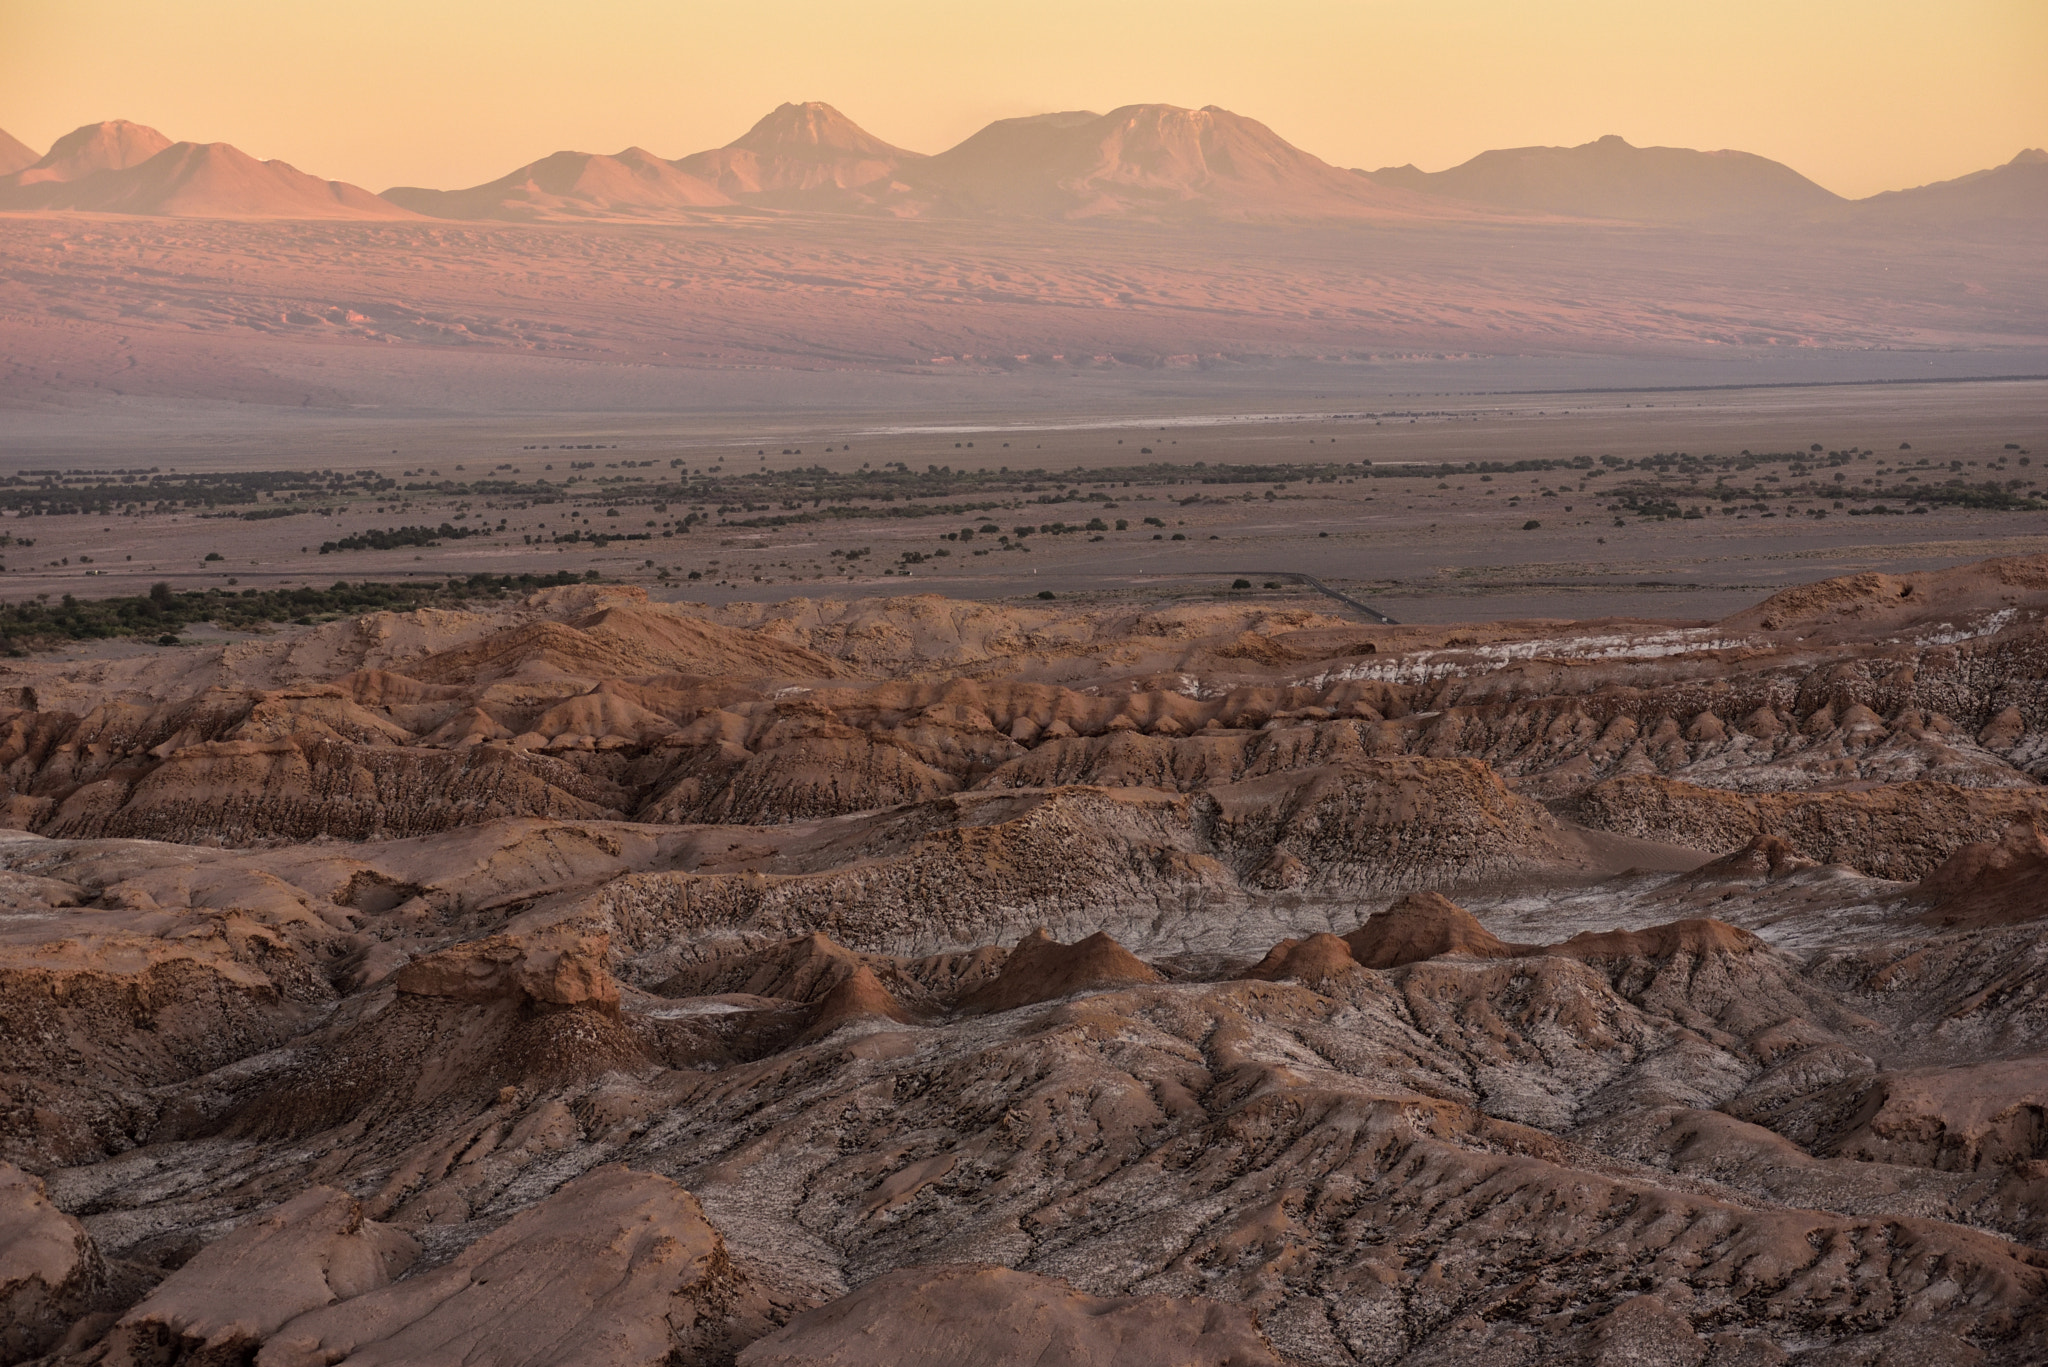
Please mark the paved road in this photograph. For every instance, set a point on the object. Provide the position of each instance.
(1320, 587)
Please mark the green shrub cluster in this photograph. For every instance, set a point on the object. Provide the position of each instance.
(163, 612)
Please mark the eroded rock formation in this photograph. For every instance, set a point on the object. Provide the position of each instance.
(605, 982)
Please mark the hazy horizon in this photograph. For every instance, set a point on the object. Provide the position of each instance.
(1861, 99)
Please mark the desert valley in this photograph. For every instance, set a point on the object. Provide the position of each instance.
(1112, 745)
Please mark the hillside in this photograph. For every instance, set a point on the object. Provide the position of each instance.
(15, 155)
(1148, 160)
(187, 180)
(630, 184)
(2016, 190)
(807, 156)
(114, 145)
(1611, 178)
(593, 981)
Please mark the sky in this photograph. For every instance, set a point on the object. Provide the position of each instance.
(1862, 97)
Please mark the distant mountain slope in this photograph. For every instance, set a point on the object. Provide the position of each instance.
(182, 180)
(631, 184)
(2016, 190)
(15, 155)
(1147, 160)
(807, 156)
(1612, 179)
(114, 145)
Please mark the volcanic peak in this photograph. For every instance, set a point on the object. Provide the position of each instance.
(813, 130)
(114, 145)
(15, 155)
(1143, 159)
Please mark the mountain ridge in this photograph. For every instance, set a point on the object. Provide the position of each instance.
(1612, 178)
(2017, 189)
(804, 156)
(111, 145)
(15, 155)
(126, 168)
(1147, 160)
(632, 183)
(1138, 162)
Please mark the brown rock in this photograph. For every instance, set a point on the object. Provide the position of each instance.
(859, 996)
(312, 1251)
(1898, 831)
(1320, 958)
(617, 1269)
(1998, 882)
(49, 1268)
(1694, 937)
(1764, 857)
(1420, 926)
(557, 968)
(994, 1317)
(804, 969)
(1041, 969)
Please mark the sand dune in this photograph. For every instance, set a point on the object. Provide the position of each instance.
(180, 180)
(1612, 179)
(15, 155)
(568, 185)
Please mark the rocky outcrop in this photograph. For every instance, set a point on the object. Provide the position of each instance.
(239, 1290)
(1992, 882)
(1320, 960)
(1901, 832)
(1424, 925)
(1041, 969)
(551, 969)
(593, 981)
(594, 702)
(50, 1272)
(941, 1316)
(618, 1268)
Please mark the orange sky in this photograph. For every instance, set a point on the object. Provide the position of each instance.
(1861, 96)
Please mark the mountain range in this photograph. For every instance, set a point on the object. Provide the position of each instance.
(1143, 162)
(2018, 189)
(127, 168)
(1611, 179)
